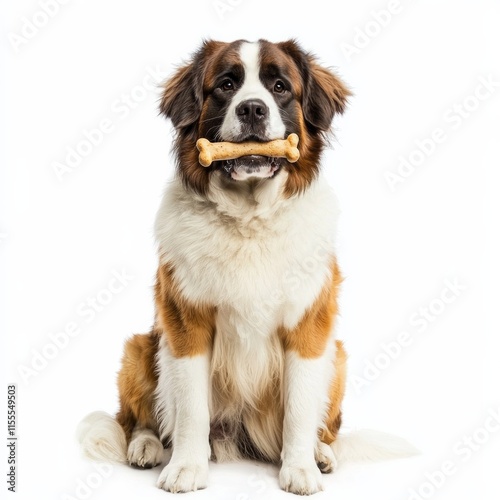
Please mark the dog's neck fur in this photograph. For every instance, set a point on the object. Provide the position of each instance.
(248, 205)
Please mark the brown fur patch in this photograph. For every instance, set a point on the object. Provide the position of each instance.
(184, 100)
(331, 85)
(187, 84)
(310, 336)
(223, 61)
(320, 94)
(188, 328)
(137, 380)
(336, 395)
(306, 169)
(273, 58)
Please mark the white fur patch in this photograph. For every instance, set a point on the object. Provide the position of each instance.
(252, 88)
(182, 399)
(102, 438)
(250, 249)
(306, 401)
(371, 446)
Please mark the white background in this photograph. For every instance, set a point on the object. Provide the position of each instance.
(62, 239)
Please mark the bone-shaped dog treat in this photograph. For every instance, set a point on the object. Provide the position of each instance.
(279, 148)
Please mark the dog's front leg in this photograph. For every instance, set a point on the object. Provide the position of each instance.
(183, 387)
(188, 467)
(309, 369)
(306, 389)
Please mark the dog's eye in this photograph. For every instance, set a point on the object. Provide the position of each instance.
(227, 85)
(279, 87)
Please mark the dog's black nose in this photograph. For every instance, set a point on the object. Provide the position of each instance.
(252, 110)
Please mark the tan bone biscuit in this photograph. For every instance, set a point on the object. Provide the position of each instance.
(279, 148)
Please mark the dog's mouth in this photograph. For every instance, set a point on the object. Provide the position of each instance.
(255, 166)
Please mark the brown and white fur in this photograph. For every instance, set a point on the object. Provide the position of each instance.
(242, 360)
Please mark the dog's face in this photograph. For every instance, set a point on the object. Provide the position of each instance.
(258, 91)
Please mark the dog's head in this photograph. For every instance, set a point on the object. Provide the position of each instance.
(258, 91)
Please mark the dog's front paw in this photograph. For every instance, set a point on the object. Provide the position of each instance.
(301, 479)
(180, 477)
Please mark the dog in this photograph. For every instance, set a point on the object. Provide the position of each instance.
(242, 360)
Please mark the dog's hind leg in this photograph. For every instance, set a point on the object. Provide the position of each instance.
(137, 381)
(145, 450)
(324, 455)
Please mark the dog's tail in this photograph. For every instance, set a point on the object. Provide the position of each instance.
(368, 445)
(102, 438)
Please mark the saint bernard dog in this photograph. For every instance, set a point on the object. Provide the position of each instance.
(242, 360)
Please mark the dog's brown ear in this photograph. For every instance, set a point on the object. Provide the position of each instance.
(324, 93)
(324, 96)
(182, 98)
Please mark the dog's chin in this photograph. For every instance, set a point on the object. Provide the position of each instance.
(251, 167)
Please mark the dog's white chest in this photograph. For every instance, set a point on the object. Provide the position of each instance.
(262, 270)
